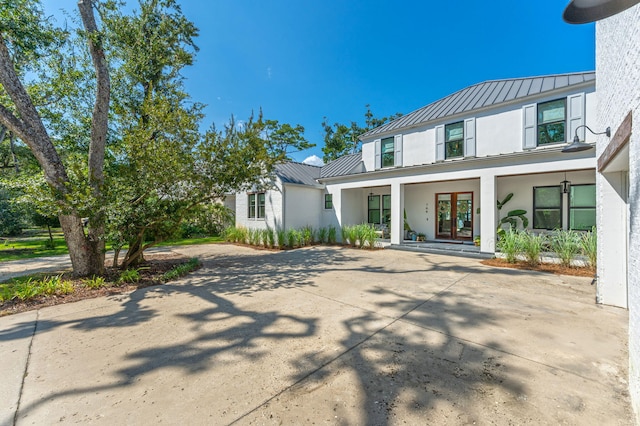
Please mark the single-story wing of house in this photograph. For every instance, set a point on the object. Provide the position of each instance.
(445, 168)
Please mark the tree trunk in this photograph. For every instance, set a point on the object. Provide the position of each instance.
(135, 252)
(116, 254)
(99, 127)
(86, 252)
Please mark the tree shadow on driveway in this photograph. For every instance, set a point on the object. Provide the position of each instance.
(388, 367)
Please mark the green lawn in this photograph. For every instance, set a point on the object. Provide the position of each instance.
(32, 245)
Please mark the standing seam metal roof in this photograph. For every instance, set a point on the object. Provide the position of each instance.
(342, 166)
(298, 173)
(482, 95)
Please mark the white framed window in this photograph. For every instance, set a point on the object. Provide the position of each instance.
(387, 152)
(552, 122)
(454, 140)
(256, 205)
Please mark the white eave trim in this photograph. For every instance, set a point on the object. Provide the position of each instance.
(532, 153)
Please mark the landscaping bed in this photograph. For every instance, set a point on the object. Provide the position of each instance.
(156, 270)
(554, 268)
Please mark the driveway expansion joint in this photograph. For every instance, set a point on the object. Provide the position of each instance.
(26, 367)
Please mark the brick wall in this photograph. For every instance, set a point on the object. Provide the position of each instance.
(618, 89)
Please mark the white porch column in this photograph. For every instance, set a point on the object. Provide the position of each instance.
(336, 199)
(488, 210)
(397, 213)
(612, 239)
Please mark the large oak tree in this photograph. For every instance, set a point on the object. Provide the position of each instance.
(25, 36)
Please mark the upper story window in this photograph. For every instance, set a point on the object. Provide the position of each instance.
(553, 122)
(257, 205)
(454, 140)
(552, 119)
(387, 152)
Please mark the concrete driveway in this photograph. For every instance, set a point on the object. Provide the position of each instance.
(323, 336)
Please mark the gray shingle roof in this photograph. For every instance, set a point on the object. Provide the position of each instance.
(298, 173)
(348, 164)
(482, 95)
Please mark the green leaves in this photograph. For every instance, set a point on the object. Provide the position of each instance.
(342, 139)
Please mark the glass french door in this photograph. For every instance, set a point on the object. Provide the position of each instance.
(454, 215)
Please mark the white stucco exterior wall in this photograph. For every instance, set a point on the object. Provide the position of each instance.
(303, 206)
(618, 68)
(498, 130)
(273, 210)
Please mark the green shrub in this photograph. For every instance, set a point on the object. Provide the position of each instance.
(282, 238)
(270, 237)
(49, 244)
(510, 244)
(344, 232)
(566, 245)
(322, 235)
(352, 235)
(307, 235)
(589, 245)
(24, 290)
(292, 238)
(181, 270)
(236, 234)
(95, 282)
(368, 236)
(532, 245)
(331, 234)
(129, 276)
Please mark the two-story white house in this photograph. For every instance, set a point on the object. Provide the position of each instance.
(447, 164)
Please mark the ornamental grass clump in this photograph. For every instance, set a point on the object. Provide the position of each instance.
(236, 234)
(269, 236)
(510, 244)
(292, 238)
(332, 234)
(368, 236)
(308, 235)
(322, 235)
(532, 245)
(281, 235)
(589, 245)
(566, 245)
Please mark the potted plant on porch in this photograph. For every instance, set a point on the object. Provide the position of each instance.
(407, 228)
(476, 240)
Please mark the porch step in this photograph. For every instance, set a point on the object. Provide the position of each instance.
(461, 250)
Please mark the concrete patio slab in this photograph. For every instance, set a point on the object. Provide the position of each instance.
(324, 335)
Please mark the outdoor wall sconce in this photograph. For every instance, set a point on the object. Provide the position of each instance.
(371, 196)
(583, 11)
(577, 146)
(565, 184)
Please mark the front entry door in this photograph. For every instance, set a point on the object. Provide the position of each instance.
(454, 215)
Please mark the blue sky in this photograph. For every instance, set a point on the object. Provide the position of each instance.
(303, 60)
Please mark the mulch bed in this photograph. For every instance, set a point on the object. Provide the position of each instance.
(150, 271)
(553, 268)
